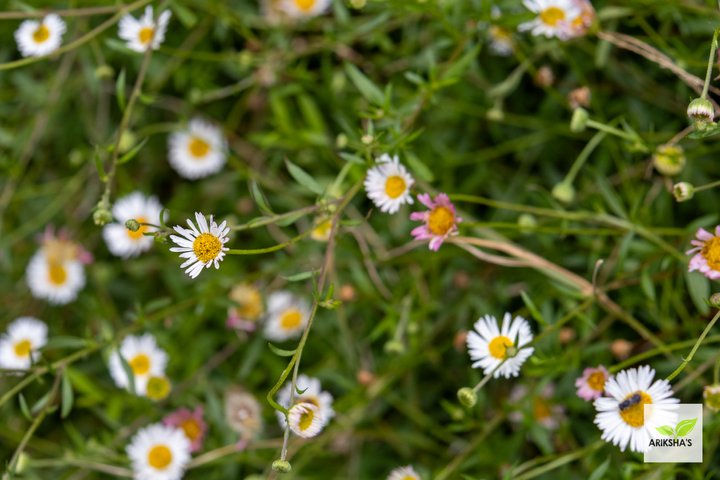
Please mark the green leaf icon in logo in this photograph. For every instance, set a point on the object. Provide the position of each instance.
(666, 430)
(685, 427)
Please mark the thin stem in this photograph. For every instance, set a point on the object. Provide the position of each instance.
(695, 348)
(707, 186)
(711, 62)
(611, 130)
(274, 248)
(584, 154)
(260, 222)
(716, 372)
(657, 351)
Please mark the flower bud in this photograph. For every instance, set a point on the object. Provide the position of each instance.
(578, 122)
(715, 300)
(394, 346)
(527, 222)
(563, 192)
(701, 111)
(281, 466)
(358, 4)
(467, 397)
(683, 191)
(101, 215)
(511, 351)
(711, 394)
(669, 160)
(132, 225)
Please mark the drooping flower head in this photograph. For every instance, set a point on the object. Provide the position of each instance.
(706, 248)
(20, 344)
(248, 307)
(145, 358)
(191, 423)
(440, 221)
(554, 17)
(621, 415)
(312, 394)
(123, 242)
(159, 452)
(500, 350)
(197, 151)
(404, 473)
(286, 317)
(201, 246)
(591, 384)
(388, 184)
(146, 32)
(37, 38)
(305, 420)
(56, 272)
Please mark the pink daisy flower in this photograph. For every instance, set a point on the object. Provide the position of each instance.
(707, 253)
(591, 384)
(440, 221)
(191, 423)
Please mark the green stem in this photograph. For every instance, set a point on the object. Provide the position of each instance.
(711, 62)
(260, 222)
(707, 186)
(695, 348)
(657, 351)
(611, 130)
(584, 154)
(274, 248)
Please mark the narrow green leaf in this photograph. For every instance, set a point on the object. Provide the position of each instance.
(120, 90)
(24, 407)
(129, 372)
(299, 276)
(699, 289)
(134, 151)
(259, 197)
(599, 472)
(368, 89)
(99, 165)
(303, 178)
(67, 396)
(534, 312)
(280, 352)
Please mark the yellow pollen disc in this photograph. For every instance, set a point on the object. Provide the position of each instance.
(146, 34)
(157, 388)
(440, 220)
(541, 410)
(596, 381)
(159, 457)
(551, 16)
(500, 34)
(305, 5)
(140, 364)
(57, 273)
(711, 252)
(249, 300)
(634, 415)
(498, 346)
(408, 477)
(198, 147)
(206, 247)
(291, 319)
(22, 348)
(306, 419)
(139, 234)
(395, 186)
(191, 428)
(41, 34)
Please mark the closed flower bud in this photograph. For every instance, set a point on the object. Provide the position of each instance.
(281, 466)
(669, 160)
(563, 192)
(467, 397)
(394, 346)
(683, 191)
(102, 216)
(358, 4)
(715, 300)
(132, 225)
(578, 122)
(711, 394)
(701, 110)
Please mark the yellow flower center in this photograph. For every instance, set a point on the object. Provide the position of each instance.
(192, 429)
(306, 419)
(41, 34)
(57, 273)
(395, 186)
(140, 231)
(159, 457)
(552, 15)
(500, 34)
(541, 410)
(711, 253)
(140, 364)
(291, 319)
(206, 247)
(634, 414)
(441, 220)
(146, 34)
(498, 347)
(305, 5)
(157, 388)
(22, 348)
(596, 381)
(198, 147)
(249, 301)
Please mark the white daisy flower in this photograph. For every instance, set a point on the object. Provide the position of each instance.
(404, 473)
(20, 345)
(553, 18)
(198, 151)
(146, 32)
(305, 420)
(388, 184)
(159, 452)
(123, 242)
(621, 415)
(312, 394)
(145, 358)
(56, 273)
(304, 8)
(287, 316)
(500, 350)
(35, 39)
(202, 246)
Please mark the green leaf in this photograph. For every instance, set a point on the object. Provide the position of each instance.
(65, 342)
(67, 396)
(120, 90)
(259, 197)
(532, 308)
(24, 407)
(129, 372)
(699, 289)
(599, 472)
(685, 427)
(134, 151)
(280, 352)
(299, 276)
(368, 89)
(99, 165)
(303, 178)
(666, 430)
